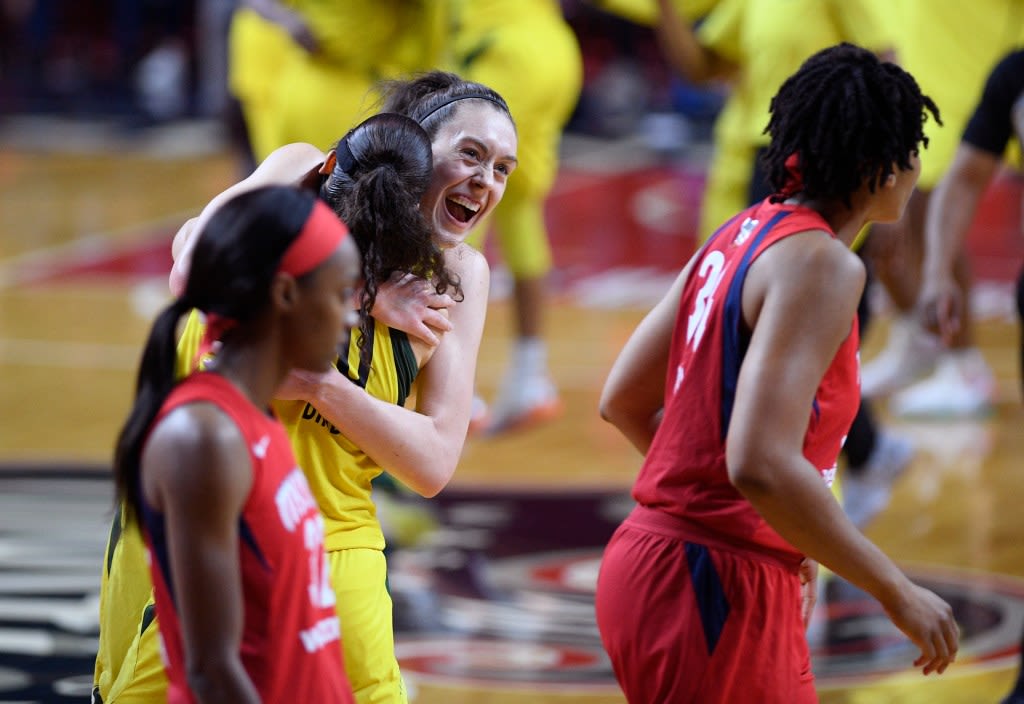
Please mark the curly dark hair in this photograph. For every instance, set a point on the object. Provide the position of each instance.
(849, 118)
(382, 170)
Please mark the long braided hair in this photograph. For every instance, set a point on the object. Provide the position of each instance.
(845, 117)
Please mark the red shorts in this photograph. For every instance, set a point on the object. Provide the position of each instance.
(683, 622)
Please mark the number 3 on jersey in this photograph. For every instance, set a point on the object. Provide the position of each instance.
(711, 271)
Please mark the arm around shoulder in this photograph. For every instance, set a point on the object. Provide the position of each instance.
(286, 165)
(421, 448)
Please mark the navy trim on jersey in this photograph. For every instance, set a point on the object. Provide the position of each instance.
(707, 588)
(723, 227)
(246, 535)
(734, 348)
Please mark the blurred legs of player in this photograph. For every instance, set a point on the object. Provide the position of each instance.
(531, 56)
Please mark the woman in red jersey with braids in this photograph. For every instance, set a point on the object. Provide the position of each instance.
(739, 388)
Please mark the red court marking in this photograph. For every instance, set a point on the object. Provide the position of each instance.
(644, 218)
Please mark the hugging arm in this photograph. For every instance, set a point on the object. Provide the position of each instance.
(421, 448)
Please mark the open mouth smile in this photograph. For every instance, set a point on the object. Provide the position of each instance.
(461, 209)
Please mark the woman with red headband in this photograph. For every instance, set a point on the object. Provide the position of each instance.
(234, 537)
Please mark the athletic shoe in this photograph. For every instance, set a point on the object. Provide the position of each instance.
(479, 416)
(962, 386)
(524, 405)
(910, 353)
(866, 493)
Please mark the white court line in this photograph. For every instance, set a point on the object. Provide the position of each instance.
(68, 355)
(39, 263)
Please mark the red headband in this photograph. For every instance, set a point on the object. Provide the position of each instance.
(794, 176)
(320, 236)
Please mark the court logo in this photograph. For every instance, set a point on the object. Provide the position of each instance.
(543, 636)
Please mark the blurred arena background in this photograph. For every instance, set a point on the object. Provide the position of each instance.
(116, 125)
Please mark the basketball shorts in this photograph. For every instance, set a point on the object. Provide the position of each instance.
(686, 623)
(367, 635)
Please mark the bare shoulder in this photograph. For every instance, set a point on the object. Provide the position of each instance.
(196, 448)
(814, 263)
(469, 265)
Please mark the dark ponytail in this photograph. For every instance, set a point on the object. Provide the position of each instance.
(233, 265)
(383, 168)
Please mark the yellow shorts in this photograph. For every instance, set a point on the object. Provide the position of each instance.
(545, 50)
(364, 608)
(128, 665)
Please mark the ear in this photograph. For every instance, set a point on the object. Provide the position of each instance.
(890, 180)
(284, 293)
(329, 161)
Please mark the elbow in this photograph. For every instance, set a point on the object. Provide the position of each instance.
(750, 472)
(430, 490)
(436, 480)
(612, 408)
(747, 480)
(176, 281)
(209, 678)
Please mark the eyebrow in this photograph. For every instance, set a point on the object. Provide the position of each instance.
(483, 147)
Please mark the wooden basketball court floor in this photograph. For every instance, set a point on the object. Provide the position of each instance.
(82, 248)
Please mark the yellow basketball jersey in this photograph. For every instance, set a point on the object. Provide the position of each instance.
(950, 53)
(338, 472)
(128, 667)
(380, 38)
(770, 39)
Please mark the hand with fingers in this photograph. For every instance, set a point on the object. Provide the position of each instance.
(928, 621)
(941, 307)
(808, 589)
(411, 304)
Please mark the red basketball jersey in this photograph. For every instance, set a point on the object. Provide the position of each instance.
(684, 473)
(290, 644)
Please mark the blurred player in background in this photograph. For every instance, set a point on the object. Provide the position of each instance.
(526, 51)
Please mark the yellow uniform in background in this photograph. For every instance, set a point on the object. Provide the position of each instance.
(526, 51)
(768, 40)
(646, 12)
(257, 51)
(319, 96)
(951, 50)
